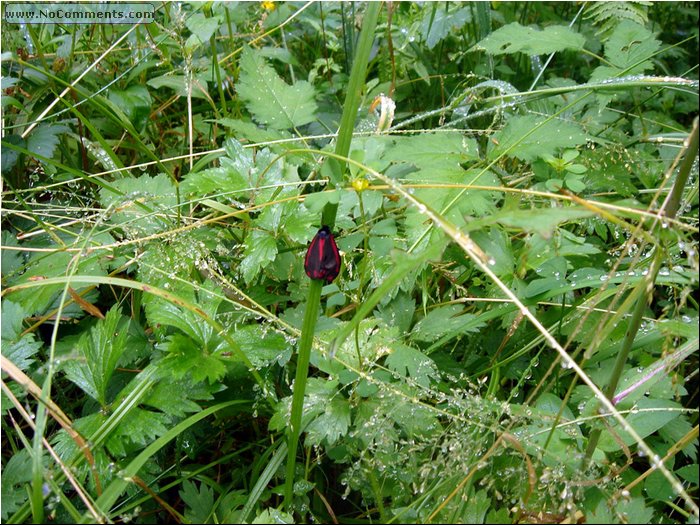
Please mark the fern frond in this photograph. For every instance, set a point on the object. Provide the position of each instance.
(608, 15)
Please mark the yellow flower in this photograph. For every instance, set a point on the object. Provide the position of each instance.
(360, 184)
(267, 5)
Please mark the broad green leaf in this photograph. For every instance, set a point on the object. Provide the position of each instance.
(186, 356)
(318, 394)
(262, 346)
(629, 49)
(253, 132)
(415, 419)
(218, 180)
(331, 425)
(202, 29)
(272, 101)
(408, 361)
(199, 504)
(529, 137)
(441, 321)
(15, 347)
(44, 139)
(689, 473)
(260, 250)
(432, 150)
(399, 312)
(135, 102)
(272, 515)
(41, 266)
(9, 157)
(515, 38)
(139, 428)
(179, 84)
(652, 414)
(543, 220)
(147, 206)
(98, 352)
(440, 19)
(175, 396)
(16, 472)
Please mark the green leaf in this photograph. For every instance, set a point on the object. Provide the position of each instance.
(432, 151)
(542, 220)
(629, 49)
(44, 139)
(146, 205)
(652, 415)
(174, 396)
(15, 347)
(188, 357)
(11, 259)
(443, 320)
(135, 102)
(530, 136)
(332, 424)
(260, 250)
(199, 503)
(689, 473)
(399, 312)
(139, 428)
(98, 352)
(273, 515)
(441, 19)
(408, 361)
(202, 27)
(15, 474)
(179, 84)
(271, 101)
(515, 38)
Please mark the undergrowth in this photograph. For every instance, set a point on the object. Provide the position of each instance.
(513, 334)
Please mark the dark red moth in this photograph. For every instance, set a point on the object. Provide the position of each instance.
(322, 259)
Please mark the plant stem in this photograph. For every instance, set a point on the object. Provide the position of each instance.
(294, 430)
(347, 123)
(645, 287)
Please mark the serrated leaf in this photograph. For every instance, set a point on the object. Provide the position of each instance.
(530, 136)
(399, 312)
(515, 38)
(432, 150)
(44, 139)
(331, 425)
(629, 49)
(260, 250)
(15, 347)
(444, 320)
(185, 356)
(174, 396)
(408, 361)
(139, 428)
(199, 503)
(145, 206)
(15, 473)
(272, 101)
(273, 515)
(8, 157)
(98, 351)
(543, 220)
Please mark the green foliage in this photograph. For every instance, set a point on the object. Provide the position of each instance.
(515, 38)
(158, 299)
(608, 15)
(271, 101)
